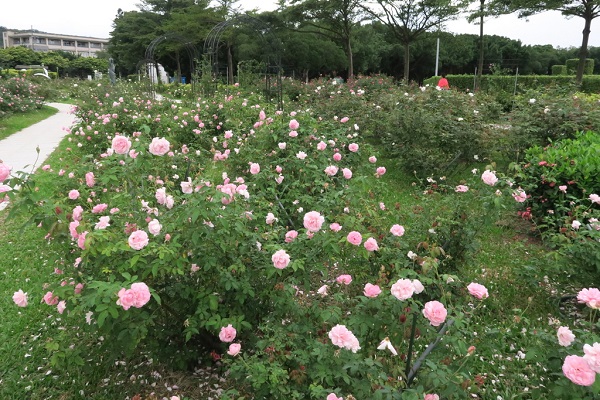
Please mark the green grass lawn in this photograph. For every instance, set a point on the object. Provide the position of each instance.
(16, 122)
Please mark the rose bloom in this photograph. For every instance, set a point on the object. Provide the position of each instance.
(578, 371)
(371, 245)
(594, 198)
(563, 188)
(344, 279)
(489, 178)
(331, 170)
(120, 144)
(403, 289)
(154, 227)
(103, 223)
(337, 157)
(282, 145)
(234, 349)
(353, 147)
(519, 195)
(161, 195)
(347, 173)
(138, 240)
(141, 294)
(354, 238)
(343, 338)
(270, 219)
(187, 187)
(371, 291)
(344, 120)
(20, 298)
(332, 396)
(301, 155)
(313, 221)
(321, 145)
(397, 230)
(126, 298)
(372, 159)
(99, 208)
(61, 307)
(227, 334)
(592, 356)
(280, 259)
(4, 172)
(254, 168)
(77, 213)
(380, 171)
(74, 194)
(432, 396)
(478, 291)
(576, 224)
(461, 189)
(294, 124)
(81, 240)
(418, 286)
(159, 146)
(290, 236)
(565, 336)
(322, 290)
(90, 179)
(335, 227)
(435, 312)
(591, 297)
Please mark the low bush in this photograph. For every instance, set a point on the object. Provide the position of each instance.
(18, 95)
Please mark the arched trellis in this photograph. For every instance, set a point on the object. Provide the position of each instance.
(271, 44)
(152, 63)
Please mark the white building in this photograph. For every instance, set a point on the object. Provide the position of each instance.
(40, 41)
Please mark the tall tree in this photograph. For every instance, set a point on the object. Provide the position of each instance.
(410, 19)
(586, 9)
(335, 19)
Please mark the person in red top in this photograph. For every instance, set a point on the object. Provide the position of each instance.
(443, 83)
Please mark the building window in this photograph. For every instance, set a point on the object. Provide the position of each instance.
(68, 43)
(82, 44)
(54, 42)
(17, 41)
(95, 45)
(39, 40)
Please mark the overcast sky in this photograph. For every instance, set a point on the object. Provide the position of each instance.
(94, 18)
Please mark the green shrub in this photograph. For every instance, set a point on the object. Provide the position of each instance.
(559, 70)
(572, 63)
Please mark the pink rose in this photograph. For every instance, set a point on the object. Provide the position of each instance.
(321, 145)
(290, 236)
(4, 174)
(99, 208)
(435, 312)
(418, 286)
(432, 397)
(159, 146)
(592, 356)
(331, 170)
(227, 334)
(594, 198)
(61, 307)
(354, 238)
(371, 245)
(103, 223)
(74, 194)
(344, 279)
(234, 349)
(353, 147)
(565, 336)
(126, 298)
(403, 289)
(519, 195)
(380, 171)
(372, 159)
(161, 195)
(332, 396)
(478, 291)
(154, 227)
(461, 189)
(187, 187)
(347, 173)
(19, 297)
(563, 188)
(261, 115)
(138, 240)
(397, 230)
(591, 297)
(489, 178)
(335, 227)
(73, 229)
(343, 338)
(280, 259)
(77, 213)
(78, 288)
(294, 124)
(344, 120)
(313, 221)
(121, 144)
(371, 291)
(578, 371)
(337, 157)
(81, 240)
(254, 168)
(141, 294)
(50, 299)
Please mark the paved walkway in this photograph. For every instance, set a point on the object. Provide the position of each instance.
(19, 149)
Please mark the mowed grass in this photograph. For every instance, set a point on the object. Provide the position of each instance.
(17, 122)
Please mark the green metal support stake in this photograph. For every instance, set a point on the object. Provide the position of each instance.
(410, 345)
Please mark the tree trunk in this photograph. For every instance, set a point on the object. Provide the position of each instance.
(583, 51)
(406, 61)
(480, 63)
(229, 65)
(350, 60)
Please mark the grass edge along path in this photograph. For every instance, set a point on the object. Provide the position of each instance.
(17, 122)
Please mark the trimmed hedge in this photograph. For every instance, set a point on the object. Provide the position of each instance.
(559, 70)
(572, 63)
(506, 83)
